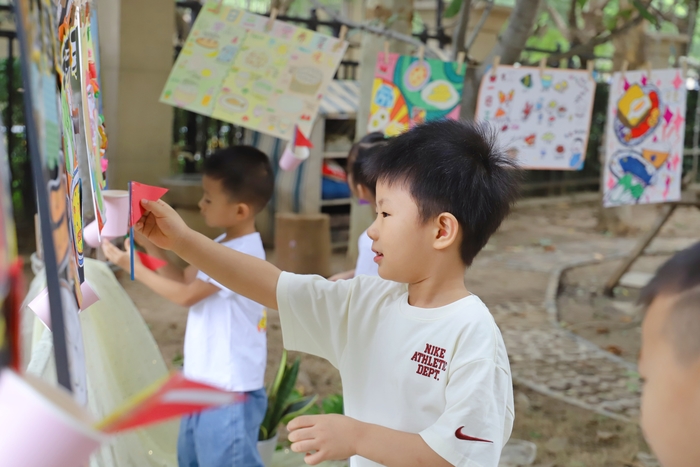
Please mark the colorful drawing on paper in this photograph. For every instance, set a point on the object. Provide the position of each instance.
(238, 68)
(543, 116)
(644, 138)
(408, 91)
(90, 113)
(38, 41)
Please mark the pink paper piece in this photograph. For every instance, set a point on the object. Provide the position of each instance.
(104, 163)
(668, 115)
(40, 305)
(41, 425)
(91, 235)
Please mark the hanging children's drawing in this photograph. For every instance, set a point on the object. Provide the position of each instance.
(543, 115)
(644, 137)
(245, 69)
(409, 90)
(38, 40)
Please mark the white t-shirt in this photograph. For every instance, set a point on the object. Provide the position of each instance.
(365, 257)
(442, 372)
(226, 339)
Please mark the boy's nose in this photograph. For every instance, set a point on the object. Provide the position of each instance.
(373, 231)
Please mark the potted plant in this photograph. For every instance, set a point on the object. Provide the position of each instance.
(283, 404)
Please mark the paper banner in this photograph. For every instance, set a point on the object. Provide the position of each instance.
(408, 91)
(151, 262)
(644, 137)
(543, 115)
(174, 397)
(38, 37)
(241, 68)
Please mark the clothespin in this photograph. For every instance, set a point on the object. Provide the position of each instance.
(684, 65)
(590, 67)
(271, 20)
(421, 52)
(460, 62)
(343, 33)
(496, 62)
(625, 65)
(386, 52)
(647, 65)
(543, 65)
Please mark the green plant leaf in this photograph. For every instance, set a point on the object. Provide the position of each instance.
(263, 433)
(277, 408)
(278, 378)
(333, 404)
(581, 3)
(298, 408)
(644, 11)
(453, 9)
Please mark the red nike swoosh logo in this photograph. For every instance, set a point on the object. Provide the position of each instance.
(464, 437)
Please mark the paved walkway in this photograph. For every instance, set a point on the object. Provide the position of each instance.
(556, 362)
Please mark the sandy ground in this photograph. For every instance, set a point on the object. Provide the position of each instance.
(566, 436)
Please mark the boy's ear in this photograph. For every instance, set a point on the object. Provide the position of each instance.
(447, 231)
(243, 210)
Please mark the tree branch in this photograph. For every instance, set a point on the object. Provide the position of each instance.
(430, 51)
(558, 21)
(461, 29)
(596, 41)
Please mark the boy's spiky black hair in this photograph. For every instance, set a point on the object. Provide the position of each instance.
(245, 173)
(452, 166)
(679, 274)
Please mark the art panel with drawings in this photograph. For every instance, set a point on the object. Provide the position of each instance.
(543, 115)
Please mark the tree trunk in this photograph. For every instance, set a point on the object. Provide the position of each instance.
(510, 46)
(460, 33)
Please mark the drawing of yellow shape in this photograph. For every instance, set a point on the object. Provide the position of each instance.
(206, 72)
(282, 50)
(656, 158)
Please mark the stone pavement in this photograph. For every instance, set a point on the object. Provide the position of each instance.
(554, 361)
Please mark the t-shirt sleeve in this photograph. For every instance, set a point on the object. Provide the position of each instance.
(314, 314)
(478, 417)
(223, 291)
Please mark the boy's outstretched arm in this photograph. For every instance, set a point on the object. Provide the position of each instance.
(173, 290)
(336, 437)
(246, 275)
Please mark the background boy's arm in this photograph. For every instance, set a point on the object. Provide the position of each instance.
(246, 275)
(335, 437)
(175, 291)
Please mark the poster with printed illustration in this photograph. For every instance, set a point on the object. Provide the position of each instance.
(543, 115)
(408, 91)
(38, 41)
(644, 137)
(240, 68)
(90, 111)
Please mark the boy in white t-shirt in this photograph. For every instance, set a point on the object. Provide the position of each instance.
(225, 339)
(426, 378)
(365, 191)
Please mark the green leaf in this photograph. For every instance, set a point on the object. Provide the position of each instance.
(278, 378)
(333, 404)
(298, 408)
(453, 9)
(646, 14)
(581, 3)
(263, 433)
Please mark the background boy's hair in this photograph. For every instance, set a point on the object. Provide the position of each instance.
(245, 174)
(680, 273)
(456, 167)
(359, 153)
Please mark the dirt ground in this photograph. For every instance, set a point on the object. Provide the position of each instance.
(566, 436)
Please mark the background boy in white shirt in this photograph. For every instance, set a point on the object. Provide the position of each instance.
(225, 339)
(426, 378)
(364, 190)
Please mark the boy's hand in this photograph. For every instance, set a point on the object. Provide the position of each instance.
(324, 437)
(142, 240)
(117, 256)
(161, 225)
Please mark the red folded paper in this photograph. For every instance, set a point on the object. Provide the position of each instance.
(137, 193)
(175, 397)
(151, 262)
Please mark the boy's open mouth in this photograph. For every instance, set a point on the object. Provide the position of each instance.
(377, 256)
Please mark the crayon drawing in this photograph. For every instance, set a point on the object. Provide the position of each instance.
(644, 138)
(543, 115)
(408, 91)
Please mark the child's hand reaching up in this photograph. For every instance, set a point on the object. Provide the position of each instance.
(161, 225)
(324, 437)
(117, 256)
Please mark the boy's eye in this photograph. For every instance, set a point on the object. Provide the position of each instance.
(384, 214)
